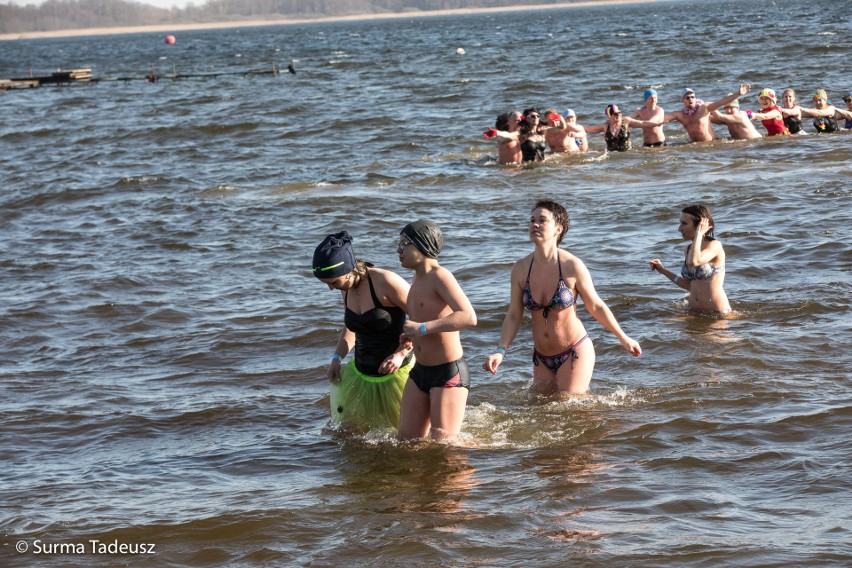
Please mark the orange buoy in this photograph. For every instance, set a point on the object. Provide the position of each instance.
(170, 39)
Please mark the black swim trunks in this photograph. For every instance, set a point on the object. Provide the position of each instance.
(448, 375)
(654, 144)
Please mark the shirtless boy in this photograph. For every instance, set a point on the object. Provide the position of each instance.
(435, 395)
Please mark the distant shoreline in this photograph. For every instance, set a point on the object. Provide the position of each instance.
(277, 22)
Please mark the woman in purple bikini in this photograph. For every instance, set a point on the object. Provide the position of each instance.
(548, 282)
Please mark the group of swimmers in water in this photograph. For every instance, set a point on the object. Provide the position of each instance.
(408, 372)
(526, 136)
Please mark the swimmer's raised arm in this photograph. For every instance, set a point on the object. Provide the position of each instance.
(729, 98)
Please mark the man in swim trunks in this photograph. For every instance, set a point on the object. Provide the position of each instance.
(653, 136)
(695, 115)
(434, 398)
(739, 124)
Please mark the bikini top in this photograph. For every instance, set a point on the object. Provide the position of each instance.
(377, 332)
(562, 299)
(704, 271)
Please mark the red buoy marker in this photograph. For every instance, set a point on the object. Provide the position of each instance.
(170, 39)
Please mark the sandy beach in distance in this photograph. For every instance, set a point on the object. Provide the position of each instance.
(275, 22)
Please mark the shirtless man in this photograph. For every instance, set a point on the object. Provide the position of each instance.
(695, 116)
(739, 123)
(435, 395)
(576, 130)
(558, 136)
(509, 149)
(652, 136)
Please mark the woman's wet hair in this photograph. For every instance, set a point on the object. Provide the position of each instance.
(697, 211)
(560, 216)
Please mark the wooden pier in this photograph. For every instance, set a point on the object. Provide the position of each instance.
(55, 78)
(84, 76)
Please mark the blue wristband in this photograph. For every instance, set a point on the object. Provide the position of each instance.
(423, 328)
(501, 351)
(336, 357)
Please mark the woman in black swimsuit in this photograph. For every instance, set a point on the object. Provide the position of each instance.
(792, 112)
(617, 129)
(532, 139)
(365, 393)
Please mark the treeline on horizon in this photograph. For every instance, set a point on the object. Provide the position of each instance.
(54, 15)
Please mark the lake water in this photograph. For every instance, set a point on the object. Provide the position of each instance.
(163, 344)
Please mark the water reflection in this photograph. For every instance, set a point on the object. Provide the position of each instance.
(397, 478)
(569, 472)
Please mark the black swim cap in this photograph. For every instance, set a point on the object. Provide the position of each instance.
(334, 256)
(426, 236)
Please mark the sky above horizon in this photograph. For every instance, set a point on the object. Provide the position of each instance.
(157, 3)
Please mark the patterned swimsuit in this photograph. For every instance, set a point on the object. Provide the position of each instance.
(562, 299)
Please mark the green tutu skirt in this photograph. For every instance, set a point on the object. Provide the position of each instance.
(367, 403)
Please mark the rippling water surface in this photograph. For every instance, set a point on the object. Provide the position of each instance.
(163, 344)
